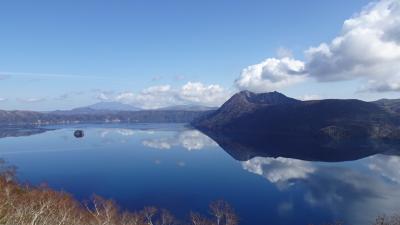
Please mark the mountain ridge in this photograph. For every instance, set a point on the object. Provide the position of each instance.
(278, 114)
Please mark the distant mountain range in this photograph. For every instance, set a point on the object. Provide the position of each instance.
(109, 107)
(263, 114)
(101, 107)
(112, 106)
(275, 114)
(143, 116)
(104, 112)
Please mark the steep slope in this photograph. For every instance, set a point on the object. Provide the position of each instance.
(275, 114)
(240, 104)
(391, 105)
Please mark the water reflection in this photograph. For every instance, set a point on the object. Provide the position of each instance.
(242, 147)
(354, 194)
(279, 170)
(120, 131)
(386, 166)
(18, 131)
(277, 179)
(187, 139)
(359, 180)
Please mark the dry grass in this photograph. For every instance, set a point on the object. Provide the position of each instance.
(27, 205)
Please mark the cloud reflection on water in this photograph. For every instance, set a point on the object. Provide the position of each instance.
(357, 194)
(187, 139)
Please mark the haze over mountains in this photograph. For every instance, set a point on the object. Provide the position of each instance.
(265, 113)
(105, 112)
(108, 107)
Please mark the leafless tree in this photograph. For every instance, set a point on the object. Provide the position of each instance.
(384, 220)
(197, 219)
(39, 205)
(149, 213)
(223, 213)
(166, 218)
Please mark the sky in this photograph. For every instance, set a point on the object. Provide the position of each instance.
(67, 54)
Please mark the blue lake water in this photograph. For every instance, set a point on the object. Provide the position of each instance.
(179, 168)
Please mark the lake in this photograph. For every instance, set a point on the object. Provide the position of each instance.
(179, 168)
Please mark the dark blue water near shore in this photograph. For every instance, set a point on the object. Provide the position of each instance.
(181, 169)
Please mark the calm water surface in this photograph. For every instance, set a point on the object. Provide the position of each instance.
(178, 168)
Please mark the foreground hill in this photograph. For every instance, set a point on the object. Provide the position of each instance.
(275, 114)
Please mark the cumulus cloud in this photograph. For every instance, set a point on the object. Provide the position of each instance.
(150, 98)
(278, 170)
(387, 166)
(198, 93)
(271, 74)
(191, 93)
(351, 192)
(188, 139)
(368, 48)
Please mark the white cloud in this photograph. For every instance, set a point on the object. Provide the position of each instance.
(390, 84)
(278, 170)
(188, 139)
(194, 140)
(308, 97)
(198, 93)
(150, 98)
(102, 97)
(351, 192)
(125, 132)
(3, 99)
(367, 48)
(158, 143)
(387, 166)
(31, 100)
(192, 93)
(271, 74)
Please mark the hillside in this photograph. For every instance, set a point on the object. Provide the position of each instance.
(275, 114)
(144, 116)
(391, 105)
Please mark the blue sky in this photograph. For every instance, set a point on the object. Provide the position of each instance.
(63, 54)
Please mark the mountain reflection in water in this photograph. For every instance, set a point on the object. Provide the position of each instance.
(242, 146)
(283, 180)
(349, 193)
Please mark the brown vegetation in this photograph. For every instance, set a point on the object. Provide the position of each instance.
(27, 205)
(384, 220)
